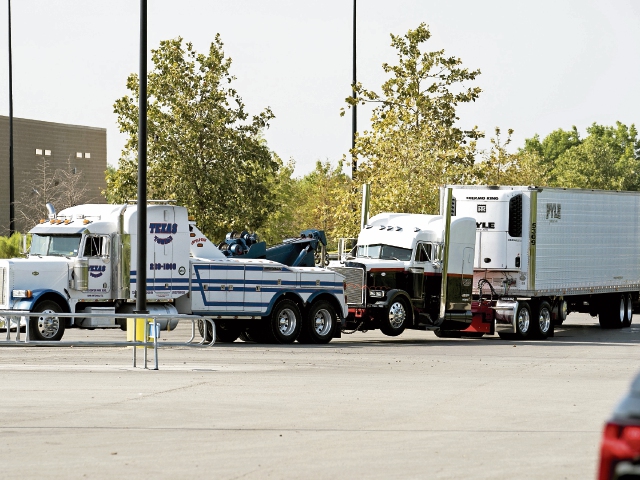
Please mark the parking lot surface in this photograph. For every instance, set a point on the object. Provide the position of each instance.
(366, 406)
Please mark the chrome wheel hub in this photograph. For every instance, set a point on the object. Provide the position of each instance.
(287, 322)
(523, 320)
(48, 326)
(397, 315)
(322, 322)
(544, 320)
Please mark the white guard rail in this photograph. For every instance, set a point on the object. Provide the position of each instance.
(12, 318)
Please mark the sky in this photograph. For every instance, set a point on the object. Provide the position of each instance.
(545, 64)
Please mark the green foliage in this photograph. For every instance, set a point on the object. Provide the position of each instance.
(111, 175)
(499, 167)
(10, 247)
(608, 158)
(553, 145)
(204, 151)
(309, 202)
(414, 144)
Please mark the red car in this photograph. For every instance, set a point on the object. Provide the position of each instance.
(620, 447)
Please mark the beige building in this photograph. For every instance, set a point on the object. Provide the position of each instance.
(52, 162)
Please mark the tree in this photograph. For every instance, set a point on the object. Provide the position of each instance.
(500, 167)
(608, 158)
(11, 247)
(203, 149)
(62, 188)
(551, 147)
(308, 202)
(414, 144)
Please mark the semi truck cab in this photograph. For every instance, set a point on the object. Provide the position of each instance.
(394, 274)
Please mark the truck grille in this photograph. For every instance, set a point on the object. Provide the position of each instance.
(354, 278)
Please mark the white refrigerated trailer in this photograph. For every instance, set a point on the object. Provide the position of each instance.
(554, 251)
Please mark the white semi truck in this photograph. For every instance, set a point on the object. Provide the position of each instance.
(516, 261)
(413, 271)
(83, 260)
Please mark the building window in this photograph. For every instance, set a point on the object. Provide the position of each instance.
(87, 155)
(78, 154)
(47, 153)
(38, 151)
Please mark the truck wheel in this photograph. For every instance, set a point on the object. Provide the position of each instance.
(612, 312)
(394, 322)
(285, 322)
(319, 324)
(523, 321)
(225, 333)
(43, 327)
(628, 314)
(542, 327)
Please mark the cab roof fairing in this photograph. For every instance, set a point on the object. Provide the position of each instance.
(92, 211)
(463, 230)
(102, 218)
(76, 228)
(155, 215)
(402, 229)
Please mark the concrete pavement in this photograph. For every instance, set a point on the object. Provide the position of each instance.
(366, 405)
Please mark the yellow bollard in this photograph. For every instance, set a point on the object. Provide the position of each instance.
(141, 331)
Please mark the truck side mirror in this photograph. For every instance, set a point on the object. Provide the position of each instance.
(105, 248)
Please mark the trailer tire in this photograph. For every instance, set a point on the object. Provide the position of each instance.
(612, 311)
(523, 321)
(44, 328)
(396, 318)
(446, 334)
(319, 324)
(628, 314)
(561, 312)
(249, 335)
(457, 334)
(285, 322)
(542, 327)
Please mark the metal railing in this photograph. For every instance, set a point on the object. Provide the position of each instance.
(151, 331)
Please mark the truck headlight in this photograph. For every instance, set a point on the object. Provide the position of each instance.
(21, 293)
(376, 293)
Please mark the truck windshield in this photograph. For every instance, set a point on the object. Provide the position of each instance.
(55, 245)
(384, 252)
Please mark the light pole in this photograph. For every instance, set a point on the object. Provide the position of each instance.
(12, 208)
(141, 274)
(354, 118)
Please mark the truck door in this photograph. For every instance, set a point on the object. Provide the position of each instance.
(422, 264)
(96, 250)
